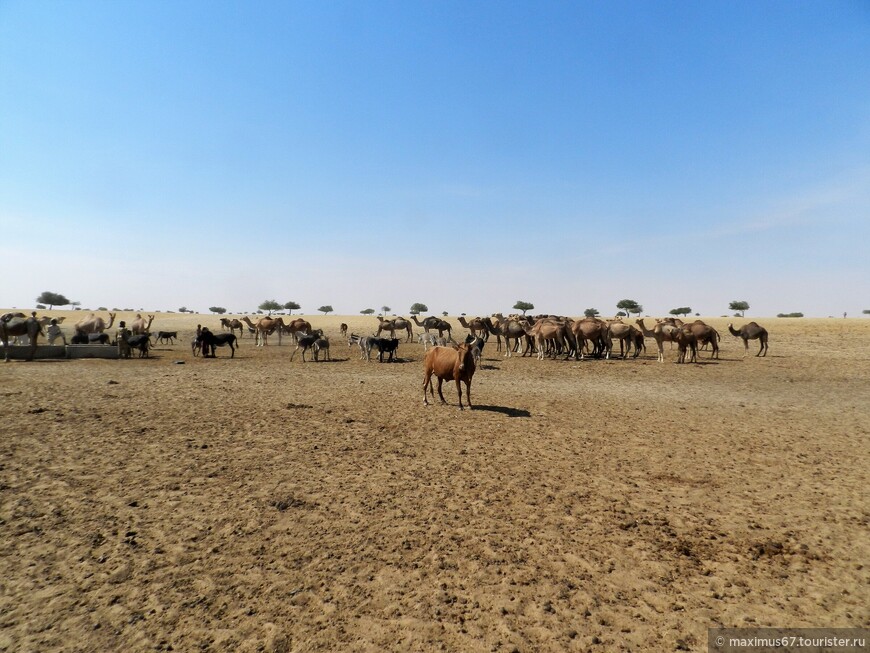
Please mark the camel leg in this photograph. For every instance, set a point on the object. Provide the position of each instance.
(468, 393)
(459, 392)
(745, 347)
(427, 381)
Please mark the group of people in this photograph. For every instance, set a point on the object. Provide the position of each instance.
(203, 343)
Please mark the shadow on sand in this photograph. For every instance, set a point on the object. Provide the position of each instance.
(504, 410)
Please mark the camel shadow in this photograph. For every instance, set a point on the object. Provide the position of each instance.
(504, 410)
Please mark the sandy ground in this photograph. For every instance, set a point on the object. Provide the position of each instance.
(255, 503)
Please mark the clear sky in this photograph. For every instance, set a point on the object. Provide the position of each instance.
(461, 154)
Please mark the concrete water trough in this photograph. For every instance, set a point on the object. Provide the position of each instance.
(92, 351)
(21, 352)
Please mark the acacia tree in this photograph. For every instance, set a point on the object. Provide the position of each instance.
(325, 309)
(220, 310)
(367, 311)
(52, 299)
(629, 306)
(523, 306)
(385, 309)
(292, 306)
(270, 305)
(418, 308)
(591, 312)
(684, 310)
(739, 306)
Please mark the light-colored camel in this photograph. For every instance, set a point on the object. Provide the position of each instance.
(476, 326)
(547, 332)
(15, 324)
(264, 327)
(662, 332)
(623, 332)
(140, 326)
(232, 325)
(751, 331)
(94, 324)
(436, 323)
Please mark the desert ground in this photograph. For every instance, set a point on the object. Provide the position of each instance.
(258, 504)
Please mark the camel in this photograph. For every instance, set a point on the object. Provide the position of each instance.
(264, 327)
(15, 324)
(662, 332)
(139, 326)
(455, 363)
(436, 323)
(704, 333)
(590, 329)
(476, 325)
(386, 325)
(232, 325)
(546, 331)
(509, 329)
(296, 327)
(686, 340)
(751, 331)
(626, 334)
(94, 324)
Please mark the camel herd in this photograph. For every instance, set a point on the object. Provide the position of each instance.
(542, 336)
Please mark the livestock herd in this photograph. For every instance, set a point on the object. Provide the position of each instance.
(543, 336)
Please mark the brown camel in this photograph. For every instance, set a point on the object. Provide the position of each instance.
(264, 327)
(477, 327)
(705, 334)
(590, 329)
(625, 333)
(386, 325)
(94, 324)
(139, 325)
(509, 329)
(297, 326)
(436, 323)
(686, 340)
(751, 331)
(15, 324)
(232, 325)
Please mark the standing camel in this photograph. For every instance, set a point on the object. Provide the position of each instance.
(751, 331)
(15, 324)
(436, 323)
(476, 325)
(139, 325)
(662, 332)
(94, 324)
(264, 327)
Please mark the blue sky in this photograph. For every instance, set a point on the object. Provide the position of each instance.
(464, 155)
